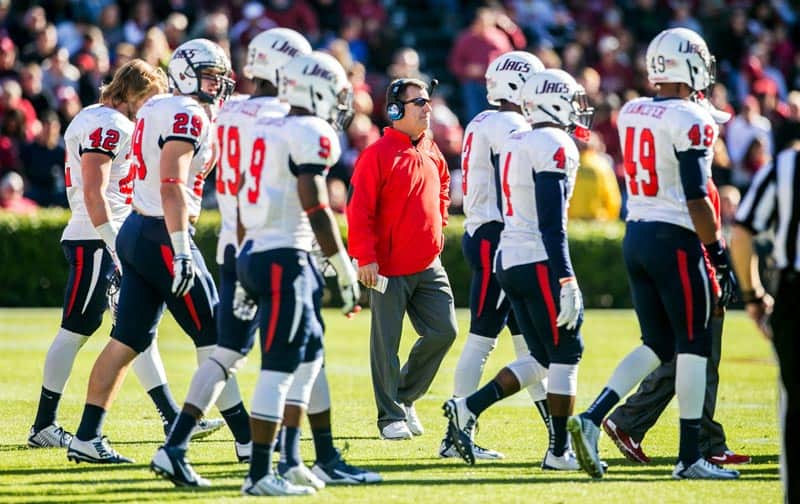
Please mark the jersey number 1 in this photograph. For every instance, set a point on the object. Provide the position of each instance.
(229, 160)
(645, 157)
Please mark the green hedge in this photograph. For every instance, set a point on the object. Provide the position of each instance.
(33, 270)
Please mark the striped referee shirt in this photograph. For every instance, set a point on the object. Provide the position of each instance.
(773, 202)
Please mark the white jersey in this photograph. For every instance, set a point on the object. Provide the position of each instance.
(97, 128)
(269, 205)
(235, 133)
(652, 132)
(524, 155)
(161, 119)
(480, 184)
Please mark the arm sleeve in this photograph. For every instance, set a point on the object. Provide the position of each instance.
(551, 208)
(361, 207)
(693, 174)
(758, 209)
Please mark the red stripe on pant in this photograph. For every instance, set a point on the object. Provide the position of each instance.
(77, 282)
(683, 269)
(543, 275)
(486, 275)
(166, 255)
(276, 272)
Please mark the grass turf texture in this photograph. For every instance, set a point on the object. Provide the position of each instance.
(411, 469)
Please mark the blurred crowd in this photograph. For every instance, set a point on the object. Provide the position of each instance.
(54, 55)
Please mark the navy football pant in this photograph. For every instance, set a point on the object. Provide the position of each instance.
(90, 267)
(233, 333)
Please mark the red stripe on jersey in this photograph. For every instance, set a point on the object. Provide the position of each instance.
(543, 275)
(77, 282)
(683, 269)
(486, 275)
(275, 273)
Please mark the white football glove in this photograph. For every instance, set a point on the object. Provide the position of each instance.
(347, 279)
(571, 301)
(183, 267)
(112, 294)
(244, 307)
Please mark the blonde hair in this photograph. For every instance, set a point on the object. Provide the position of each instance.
(133, 81)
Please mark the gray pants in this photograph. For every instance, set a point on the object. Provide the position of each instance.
(427, 298)
(642, 409)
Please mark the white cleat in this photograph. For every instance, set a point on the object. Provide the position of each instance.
(703, 469)
(97, 450)
(413, 421)
(243, 451)
(585, 435)
(339, 472)
(301, 475)
(207, 426)
(460, 427)
(566, 462)
(172, 465)
(448, 450)
(274, 485)
(396, 431)
(52, 436)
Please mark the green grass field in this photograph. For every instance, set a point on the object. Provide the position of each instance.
(411, 469)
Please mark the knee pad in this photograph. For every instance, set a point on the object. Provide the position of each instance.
(229, 360)
(269, 396)
(320, 394)
(562, 379)
(204, 352)
(527, 370)
(214, 381)
(149, 367)
(304, 377)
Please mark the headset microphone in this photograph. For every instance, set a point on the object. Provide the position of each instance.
(434, 83)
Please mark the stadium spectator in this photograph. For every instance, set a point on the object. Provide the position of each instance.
(25, 126)
(596, 195)
(140, 20)
(111, 26)
(789, 129)
(12, 199)
(294, 14)
(57, 71)
(253, 22)
(43, 164)
(747, 126)
(615, 72)
(8, 59)
(43, 46)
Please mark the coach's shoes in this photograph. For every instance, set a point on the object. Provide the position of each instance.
(207, 426)
(274, 485)
(627, 446)
(52, 436)
(243, 451)
(171, 464)
(300, 475)
(339, 472)
(703, 469)
(448, 450)
(460, 426)
(729, 457)
(585, 435)
(97, 450)
(396, 431)
(413, 421)
(566, 462)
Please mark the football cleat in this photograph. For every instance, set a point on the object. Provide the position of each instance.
(171, 464)
(207, 426)
(339, 472)
(566, 462)
(300, 475)
(396, 431)
(97, 450)
(729, 457)
(274, 485)
(448, 450)
(460, 426)
(52, 436)
(585, 435)
(703, 469)
(627, 446)
(243, 451)
(414, 424)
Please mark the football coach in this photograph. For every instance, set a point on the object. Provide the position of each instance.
(396, 213)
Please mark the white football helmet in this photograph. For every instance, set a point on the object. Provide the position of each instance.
(270, 50)
(187, 63)
(553, 96)
(507, 73)
(680, 55)
(318, 83)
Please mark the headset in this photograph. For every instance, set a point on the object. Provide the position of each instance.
(395, 108)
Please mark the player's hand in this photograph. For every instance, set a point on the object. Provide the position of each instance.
(244, 307)
(348, 282)
(725, 277)
(759, 309)
(571, 301)
(112, 293)
(368, 274)
(183, 269)
(115, 259)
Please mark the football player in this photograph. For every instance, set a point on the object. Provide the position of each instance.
(490, 310)
(537, 169)
(171, 153)
(667, 144)
(283, 206)
(99, 183)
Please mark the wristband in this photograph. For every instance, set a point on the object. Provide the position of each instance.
(566, 280)
(750, 296)
(181, 245)
(108, 233)
(320, 207)
(716, 252)
(344, 269)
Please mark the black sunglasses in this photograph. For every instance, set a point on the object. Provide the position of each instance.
(418, 101)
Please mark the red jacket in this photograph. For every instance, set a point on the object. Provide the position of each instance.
(398, 204)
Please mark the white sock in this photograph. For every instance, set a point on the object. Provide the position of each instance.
(471, 363)
(60, 358)
(149, 367)
(690, 385)
(537, 390)
(633, 369)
